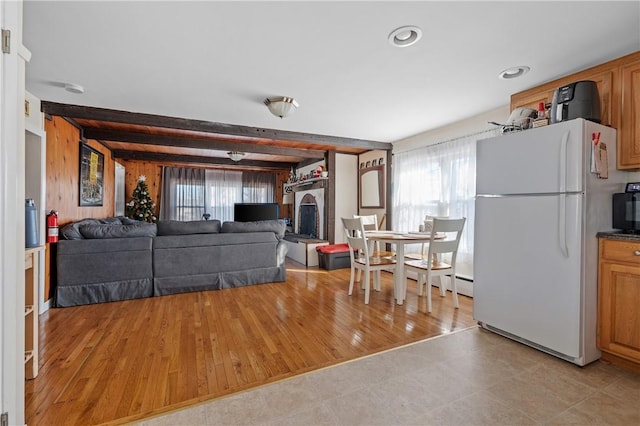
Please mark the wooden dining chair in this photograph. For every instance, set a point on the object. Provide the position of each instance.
(432, 265)
(362, 259)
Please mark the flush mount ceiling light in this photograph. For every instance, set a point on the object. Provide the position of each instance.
(281, 106)
(236, 155)
(74, 88)
(513, 72)
(405, 36)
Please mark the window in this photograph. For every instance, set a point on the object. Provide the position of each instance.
(189, 193)
(438, 180)
(224, 189)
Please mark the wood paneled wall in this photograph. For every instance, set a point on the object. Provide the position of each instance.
(63, 150)
(63, 170)
(151, 170)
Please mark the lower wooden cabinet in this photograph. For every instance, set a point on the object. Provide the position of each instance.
(619, 302)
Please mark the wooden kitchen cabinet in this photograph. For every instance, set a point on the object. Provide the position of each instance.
(629, 134)
(618, 84)
(604, 78)
(619, 302)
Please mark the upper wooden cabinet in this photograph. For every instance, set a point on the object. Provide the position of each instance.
(618, 84)
(629, 150)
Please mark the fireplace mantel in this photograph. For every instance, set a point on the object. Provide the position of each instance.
(304, 185)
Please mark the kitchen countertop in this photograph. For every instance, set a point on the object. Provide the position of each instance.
(618, 235)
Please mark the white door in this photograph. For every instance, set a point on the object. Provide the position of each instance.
(548, 159)
(527, 263)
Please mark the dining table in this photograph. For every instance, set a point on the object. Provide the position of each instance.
(399, 240)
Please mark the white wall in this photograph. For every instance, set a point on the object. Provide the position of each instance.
(346, 203)
(468, 126)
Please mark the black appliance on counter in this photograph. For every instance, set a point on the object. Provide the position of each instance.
(576, 100)
(626, 209)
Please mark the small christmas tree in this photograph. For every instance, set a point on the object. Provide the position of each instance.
(141, 206)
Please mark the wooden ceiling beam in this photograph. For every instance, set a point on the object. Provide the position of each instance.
(199, 143)
(102, 114)
(193, 159)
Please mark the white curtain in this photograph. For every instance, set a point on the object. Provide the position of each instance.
(188, 193)
(223, 190)
(258, 187)
(438, 180)
(182, 195)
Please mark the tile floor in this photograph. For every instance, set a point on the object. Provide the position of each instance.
(472, 377)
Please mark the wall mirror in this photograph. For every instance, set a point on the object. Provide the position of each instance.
(372, 187)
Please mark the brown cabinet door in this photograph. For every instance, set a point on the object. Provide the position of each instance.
(604, 80)
(629, 134)
(619, 313)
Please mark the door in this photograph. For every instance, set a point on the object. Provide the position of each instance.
(544, 160)
(527, 263)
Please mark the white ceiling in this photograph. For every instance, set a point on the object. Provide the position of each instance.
(217, 61)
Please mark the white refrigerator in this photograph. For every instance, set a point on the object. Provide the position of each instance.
(538, 208)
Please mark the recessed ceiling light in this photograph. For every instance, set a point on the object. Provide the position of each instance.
(513, 72)
(405, 36)
(74, 88)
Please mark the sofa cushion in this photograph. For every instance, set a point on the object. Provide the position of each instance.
(207, 240)
(115, 230)
(176, 227)
(72, 230)
(276, 226)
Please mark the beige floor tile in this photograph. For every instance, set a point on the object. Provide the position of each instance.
(459, 344)
(473, 377)
(191, 416)
(480, 369)
(476, 409)
(549, 378)
(406, 398)
(245, 408)
(319, 414)
(533, 399)
(601, 409)
(442, 379)
(596, 375)
(626, 388)
(362, 407)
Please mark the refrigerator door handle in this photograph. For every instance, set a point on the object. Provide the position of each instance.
(564, 145)
(562, 225)
(562, 219)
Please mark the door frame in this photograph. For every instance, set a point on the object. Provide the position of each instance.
(12, 167)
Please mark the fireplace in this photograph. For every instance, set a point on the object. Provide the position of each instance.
(309, 211)
(308, 220)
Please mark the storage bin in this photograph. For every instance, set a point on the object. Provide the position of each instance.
(333, 256)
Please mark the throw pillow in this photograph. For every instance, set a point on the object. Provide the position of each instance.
(72, 231)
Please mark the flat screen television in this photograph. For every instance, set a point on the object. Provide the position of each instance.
(251, 212)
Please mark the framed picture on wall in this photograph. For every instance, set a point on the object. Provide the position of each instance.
(91, 176)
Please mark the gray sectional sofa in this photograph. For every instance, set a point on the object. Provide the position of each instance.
(115, 259)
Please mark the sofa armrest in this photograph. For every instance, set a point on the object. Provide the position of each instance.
(281, 252)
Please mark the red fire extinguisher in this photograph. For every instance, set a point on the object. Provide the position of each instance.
(52, 226)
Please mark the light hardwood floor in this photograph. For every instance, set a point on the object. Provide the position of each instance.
(123, 361)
